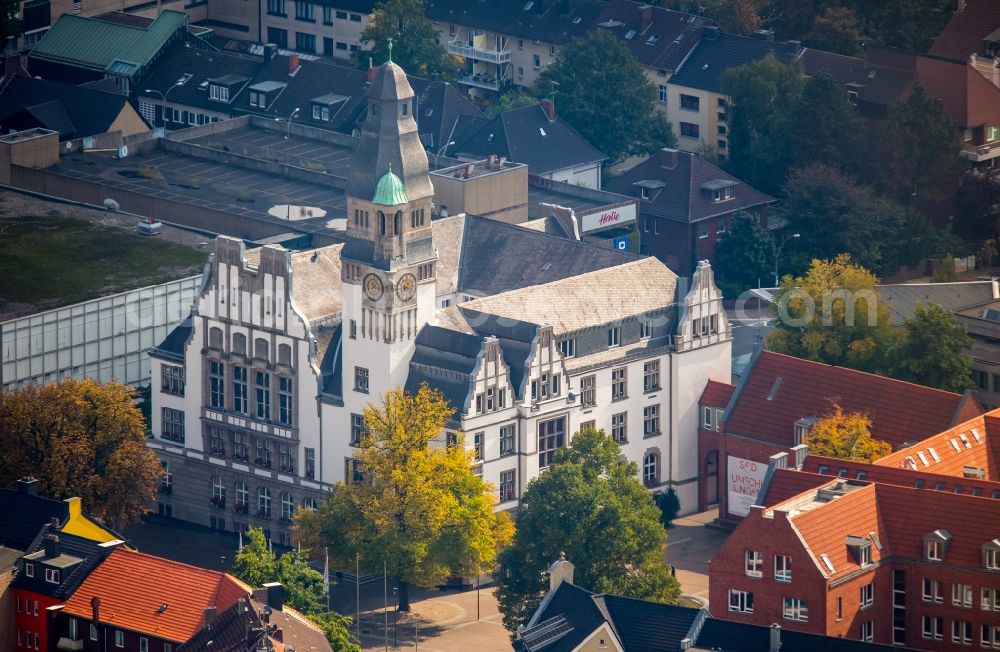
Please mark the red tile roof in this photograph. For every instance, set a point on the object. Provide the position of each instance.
(717, 394)
(786, 483)
(967, 29)
(900, 411)
(947, 453)
(132, 586)
(904, 477)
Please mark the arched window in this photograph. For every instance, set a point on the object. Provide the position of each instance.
(215, 338)
(260, 348)
(381, 223)
(309, 503)
(285, 354)
(264, 502)
(287, 505)
(397, 223)
(239, 343)
(650, 469)
(242, 495)
(218, 492)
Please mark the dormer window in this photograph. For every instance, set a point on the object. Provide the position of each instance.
(861, 549)
(649, 188)
(218, 92)
(802, 428)
(52, 575)
(936, 545)
(991, 555)
(722, 194)
(29, 570)
(719, 189)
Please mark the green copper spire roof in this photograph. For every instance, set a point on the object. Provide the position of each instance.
(390, 190)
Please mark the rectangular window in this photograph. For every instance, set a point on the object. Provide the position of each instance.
(551, 437)
(93, 632)
(74, 633)
(285, 395)
(477, 445)
(651, 420)
(567, 347)
(646, 329)
(327, 15)
(991, 558)
(868, 631)
(52, 575)
(619, 427)
(536, 62)
(690, 102)
(119, 638)
(361, 380)
(240, 390)
(357, 429)
(839, 608)
(305, 11)
(651, 376)
(754, 563)
(614, 336)
(263, 458)
(143, 644)
(285, 461)
(933, 627)
(355, 18)
(991, 636)
(867, 595)
(342, 15)
(990, 599)
(507, 492)
(172, 379)
(310, 463)
(662, 93)
(276, 7)
(992, 133)
(217, 385)
(240, 449)
(587, 391)
(740, 601)
(795, 609)
(720, 225)
(961, 632)
(173, 425)
(262, 386)
(507, 440)
(961, 595)
(619, 383)
(707, 421)
(305, 42)
(689, 130)
(783, 568)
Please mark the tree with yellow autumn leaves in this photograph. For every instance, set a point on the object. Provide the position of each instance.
(846, 436)
(80, 438)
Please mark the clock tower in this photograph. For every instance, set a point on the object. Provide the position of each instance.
(389, 259)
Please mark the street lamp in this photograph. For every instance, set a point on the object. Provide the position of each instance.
(441, 151)
(395, 615)
(291, 116)
(777, 255)
(164, 96)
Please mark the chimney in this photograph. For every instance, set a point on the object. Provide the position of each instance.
(95, 609)
(51, 544)
(371, 72)
(550, 109)
(559, 571)
(668, 158)
(12, 65)
(775, 638)
(293, 64)
(645, 17)
(27, 486)
(270, 51)
(764, 34)
(710, 32)
(209, 616)
(275, 595)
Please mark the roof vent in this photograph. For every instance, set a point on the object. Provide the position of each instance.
(774, 389)
(973, 472)
(163, 607)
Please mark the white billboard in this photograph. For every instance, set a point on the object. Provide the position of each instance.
(743, 483)
(607, 217)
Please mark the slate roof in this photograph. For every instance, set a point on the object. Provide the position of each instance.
(526, 135)
(731, 636)
(241, 627)
(705, 66)
(538, 20)
(785, 484)
(24, 515)
(903, 299)
(96, 44)
(89, 552)
(682, 198)
(521, 258)
(445, 360)
(577, 607)
(644, 626)
(717, 394)
(202, 65)
(873, 83)
(777, 390)
(599, 297)
(132, 587)
(73, 111)
(677, 32)
(172, 346)
(968, 28)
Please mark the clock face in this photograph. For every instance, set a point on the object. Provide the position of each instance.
(406, 287)
(373, 287)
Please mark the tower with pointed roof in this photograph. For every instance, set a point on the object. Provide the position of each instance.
(388, 262)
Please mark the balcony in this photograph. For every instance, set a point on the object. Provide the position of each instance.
(980, 153)
(480, 81)
(478, 54)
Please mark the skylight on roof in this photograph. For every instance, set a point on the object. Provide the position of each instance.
(954, 444)
(183, 79)
(923, 458)
(975, 434)
(542, 132)
(528, 5)
(965, 440)
(630, 35)
(934, 454)
(826, 560)
(653, 40)
(577, 20)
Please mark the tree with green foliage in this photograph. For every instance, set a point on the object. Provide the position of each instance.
(977, 207)
(669, 505)
(835, 215)
(414, 41)
(420, 510)
(760, 94)
(906, 24)
(836, 30)
(80, 438)
(509, 101)
(917, 156)
(602, 91)
(824, 127)
(590, 506)
(846, 436)
(945, 273)
(833, 315)
(256, 564)
(10, 25)
(744, 256)
(933, 351)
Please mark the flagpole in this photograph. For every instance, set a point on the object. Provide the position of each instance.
(385, 603)
(357, 593)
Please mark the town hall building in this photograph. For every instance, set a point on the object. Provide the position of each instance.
(258, 396)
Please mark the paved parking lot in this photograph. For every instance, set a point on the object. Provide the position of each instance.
(268, 144)
(690, 546)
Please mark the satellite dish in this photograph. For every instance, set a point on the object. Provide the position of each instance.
(88, 142)
(123, 151)
(69, 145)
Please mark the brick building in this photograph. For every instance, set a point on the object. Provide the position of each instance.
(904, 551)
(778, 399)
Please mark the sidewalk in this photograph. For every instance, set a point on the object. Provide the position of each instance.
(690, 546)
